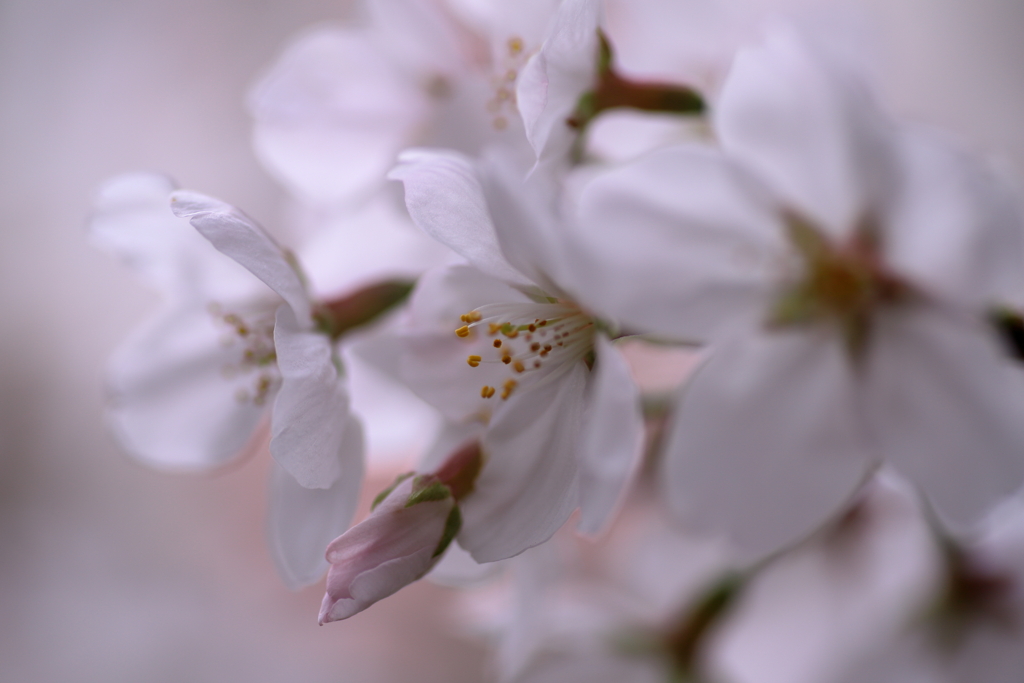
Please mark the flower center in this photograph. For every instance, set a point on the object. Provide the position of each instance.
(252, 334)
(540, 339)
(840, 284)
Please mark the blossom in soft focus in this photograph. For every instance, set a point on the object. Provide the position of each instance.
(332, 115)
(503, 342)
(843, 269)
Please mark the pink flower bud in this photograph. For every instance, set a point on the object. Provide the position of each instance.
(398, 543)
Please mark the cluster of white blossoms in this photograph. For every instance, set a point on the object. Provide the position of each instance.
(832, 495)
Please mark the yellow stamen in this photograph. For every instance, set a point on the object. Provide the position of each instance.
(463, 331)
(474, 361)
(506, 359)
(518, 366)
(497, 343)
(487, 392)
(508, 388)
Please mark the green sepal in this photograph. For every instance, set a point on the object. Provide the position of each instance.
(427, 488)
(452, 525)
(387, 492)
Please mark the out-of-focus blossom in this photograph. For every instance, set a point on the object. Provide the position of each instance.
(843, 269)
(410, 526)
(837, 599)
(190, 388)
(572, 79)
(332, 115)
(563, 427)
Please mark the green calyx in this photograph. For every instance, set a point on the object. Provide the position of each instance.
(452, 525)
(612, 91)
(387, 492)
(427, 488)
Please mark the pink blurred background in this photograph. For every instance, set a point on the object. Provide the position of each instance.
(111, 572)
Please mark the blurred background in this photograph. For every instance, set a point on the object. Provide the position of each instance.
(111, 572)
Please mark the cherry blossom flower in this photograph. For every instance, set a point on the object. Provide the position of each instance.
(500, 343)
(189, 389)
(333, 113)
(843, 269)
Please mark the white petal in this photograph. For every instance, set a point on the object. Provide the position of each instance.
(333, 113)
(302, 521)
(132, 220)
(526, 219)
(236, 235)
(554, 79)
(170, 403)
(445, 199)
(312, 408)
(944, 406)
(527, 487)
(612, 438)
(955, 227)
(680, 243)
(810, 128)
(766, 443)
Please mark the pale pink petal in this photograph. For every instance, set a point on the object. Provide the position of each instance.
(944, 406)
(810, 128)
(766, 444)
(444, 198)
(333, 113)
(526, 218)
(301, 521)
(312, 408)
(236, 235)
(679, 243)
(612, 438)
(954, 227)
(553, 80)
(170, 403)
(596, 667)
(528, 485)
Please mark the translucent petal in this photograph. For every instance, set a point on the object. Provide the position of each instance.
(612, 438)
(302, 521)
(236, 235)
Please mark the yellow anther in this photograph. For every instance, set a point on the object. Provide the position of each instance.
(473, 316)
(506, 359)
(493, 328)
(497, 343)
(507, 389)
(463, 331)
(542, 323)
(515, 46)
(535, 346)
(518, 366)
(536, 363)
(487, 392)
(532, 327)
(512, 333)
(474, 361)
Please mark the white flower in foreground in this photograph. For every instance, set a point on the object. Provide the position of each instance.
(332, 115)
(843, 269)
(502, 343)
(190, 388)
